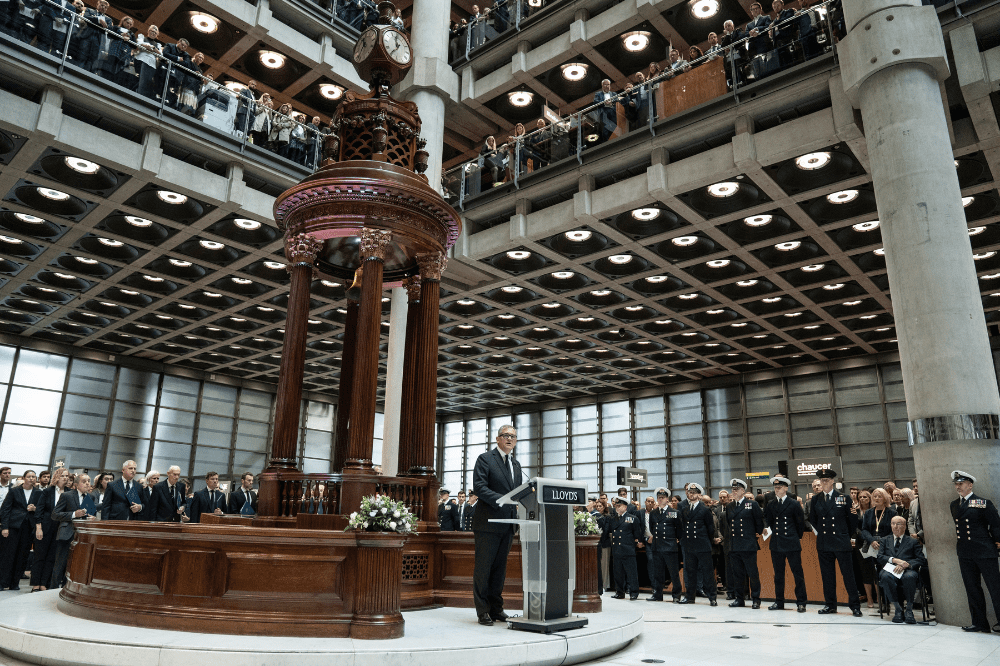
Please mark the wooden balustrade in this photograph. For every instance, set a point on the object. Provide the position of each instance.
(411, 491)
(294, 493)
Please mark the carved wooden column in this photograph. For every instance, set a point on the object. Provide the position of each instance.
(346, 385)
(301, 251)
(408, 408)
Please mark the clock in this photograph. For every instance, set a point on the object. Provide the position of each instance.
(365, 44)
(396, 46)
(382, 54)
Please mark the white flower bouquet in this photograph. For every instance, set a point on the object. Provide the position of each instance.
(584, 524)
(379, 513)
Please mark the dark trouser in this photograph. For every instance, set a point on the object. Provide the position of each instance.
(147, 80)
(794, 558)
(61, 549)
(829, 574)
(84, 52)
(730, 580)
(744, 566)
(972, 569)
(626, 573)
(45, 556)
(664, 561)
(698, 565)
(909, 584)
(490, 572)
(16, 554)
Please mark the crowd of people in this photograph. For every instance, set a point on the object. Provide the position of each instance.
(39, 512)
(482, 25)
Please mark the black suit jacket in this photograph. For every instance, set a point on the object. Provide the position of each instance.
(833, 520)
(977, 526)
(490, 482)
(164, 508)
(202, 503)
(746, 521)
(698, 527)
(787, 523)
(116, 505)
(909, 550)
(465, 518)
(238, 498)
(63, 512)
(14, 514)
(448, 516)
(43, 512)
(149, 498)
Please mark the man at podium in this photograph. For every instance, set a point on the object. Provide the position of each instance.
(496, 473)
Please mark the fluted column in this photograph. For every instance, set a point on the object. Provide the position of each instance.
(431, 266)
(374, 245)
(408, 407)
(394, 381)
(346, 384)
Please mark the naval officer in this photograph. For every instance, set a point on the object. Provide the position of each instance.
(665, 528)
(746, 521)
(834, 520)
(697, 536)
(626, 530)
(784, 518)
(977, 527)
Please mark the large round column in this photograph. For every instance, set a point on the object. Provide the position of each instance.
(408, 407)
(374, 243)
(346, 383)
(431, 266)
(394, 381)
(892, 62)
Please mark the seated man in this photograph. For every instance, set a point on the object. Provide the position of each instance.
(906, 555)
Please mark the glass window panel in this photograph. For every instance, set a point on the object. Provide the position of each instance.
(318, 444)
(767, 432)
(527, 425)
(585, 419)
(476, 431)
(91, 378)
(808, 392)
(314, 466)
(166, 454)
(137, 386)
(586, 473)
(812, 429)
(657, 473)
(6, 362)
(33, 407)
(319, 416)
(82, 413)
(133, 420)
(554, 422)
(555, 472)
(245, 461)
(255, 405)
(725, 436)
(617, 445)
(686, 440)
(179, 393)
(864, 462)
(215, 431)
(451, 480)
(722, 469)
(902, 462)
(649, 412)
(497, 422)
(764, 398)
(251, 436)
(687, 470)
(41, 370)
(766, 461)
(650, 443)
(685, 407)
(723, 403)
(81, 449)
(453, 458)
(892, 382)
(467, 485)
(453, 433)
(554, 451)
(585, 449)
(218, 399)
(175, 426)
(857, 386)
(860, 424)
(26, 444)
(614, 416)
(896, 411)
(121, 449)
(526, 452)
(210, 459)
(818, 452)
(609, 479)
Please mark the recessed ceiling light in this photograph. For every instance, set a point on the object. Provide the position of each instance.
(541, 329)
(880, 251)
(633, 308)
(574, 71)
(771, 299)
(831, 287)
(792, 314)
(717, 263)
(705, 9)
(211, 294)
(65, 276)
(329, 283)
(883, 330)
(551, 305)
(869, 316)
(275, 265)
(506, 316)
(30, 219)
(241, 280)
(55, 195)
(746, 283)
(171, 197)
(563, 275)
(812, 268)
(512, 289)
(984, 255)
(11, 239)
(828, 339)
(600, 292)
(715, 312)
(739, 324)
(585, 319)
(520, 98)
(272, 59)
(244, 223)
(684, 241)
(138, 221)
(759, 337)
(966, 201)
(636, 40)
(812, 161)
(466, 301)
(842, 197)
(518, 254)
(865, 226)
(690, 334)
(788, 246)
(242, 319)
(726, 189)
(852, 302)
(688, 297)
(330, 91)
(757, 220)
(314, 321)
(81, 165)
(992, 276)
(46, 290)
(110, 242)
(711, 344)
(190, 307)
(975, 231)
(211, 245)
(656, 279)
(235, 86)
(580, 235)
(129, 292)
(664, 322)
(152, 278)
(620, 258)
(204, 23)
(645, 214)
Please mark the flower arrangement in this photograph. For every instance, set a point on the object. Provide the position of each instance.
(584, 524)
(379, 513)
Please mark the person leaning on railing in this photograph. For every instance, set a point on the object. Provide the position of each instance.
(147, 58)
(678, 65)
(260, 128)
(492, 160)
(695, 56)
(53, 24)
(281, 130)
(120, 53)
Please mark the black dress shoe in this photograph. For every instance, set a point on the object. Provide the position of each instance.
(909, 617)
(677, 600)
(776, 606)
(755, 605)
(486, 620)
(654, 598)
(633, 597)
(996, 627)
(685, 600)
(856, 612)
(713, 602)
(618, 596)
(898, 617)
(14, 589)
(737, 604)
(729, 596)
(801, 608)
(974, 628)
(825, 610)
(498, 617)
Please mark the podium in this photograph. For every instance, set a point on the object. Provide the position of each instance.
(548, 552)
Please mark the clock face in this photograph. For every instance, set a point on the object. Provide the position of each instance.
(365, 44)
(396, 47)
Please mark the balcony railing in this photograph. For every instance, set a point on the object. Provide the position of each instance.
(502, 18)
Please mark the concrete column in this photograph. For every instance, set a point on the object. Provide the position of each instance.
(892, 61)
(394, 381)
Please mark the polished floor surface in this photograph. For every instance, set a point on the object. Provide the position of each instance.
(699, 635)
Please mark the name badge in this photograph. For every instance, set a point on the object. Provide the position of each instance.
(977, 504)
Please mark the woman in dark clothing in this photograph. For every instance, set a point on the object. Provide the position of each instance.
(603, 547)
(875, 524)
(120, 53)
(45, 532)
(147, 61)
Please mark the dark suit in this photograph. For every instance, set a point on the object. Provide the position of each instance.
(835, 523)
(784, 35)
(696, 541)
(491, 480)
(463, 517)
(448, 516)
(977, 526)
(117, 505)
(44, 554)
(909, 550)
(206, 502)
(787, 524)
(149, 498)
(165, 510)
(746, 521)
(63, 516)
(625, 530)
(15, 517)
(606, 114)
(758, 44)
(238, 499)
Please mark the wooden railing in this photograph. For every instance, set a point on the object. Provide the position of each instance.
(410, 491)
(307, 493)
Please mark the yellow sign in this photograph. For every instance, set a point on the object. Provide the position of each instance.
(758, 475)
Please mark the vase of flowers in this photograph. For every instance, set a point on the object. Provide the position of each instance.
(584, 524)
(379, 513)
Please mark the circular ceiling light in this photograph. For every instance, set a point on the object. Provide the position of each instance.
(705, 9)
(812, 161)
(833, 287)
(865, 226)
(578, 236)
(330, 91)
(975, 231)
(30, 219)
(520, 98)
(551, 305)
(715, 312)
(984, 255)
(739, 325)
(235, 86)
(992, 276)
(585, 320)
(129, 292)
(574, 71)
(171, 197)
(880, 252)
(243, 281)
(274, 265)
(55, 195)
(81, 165)
(772, 299)
(563, 275)
(620, 259)
(244, 223)
(645, 214)
(788, 246)
(518, 254)
(684, 241)
(272, 59)
(152, 278)
(757, 220)
(792, 314)
(180, 263)
(746, 283)
(467, 301)
(84, 260)
(688, 297)
(211, 245)
(65, 276)
(656, 279)
(812, 268)
(329, 283)
(633, 308)
(636, 41)
(852, 302)
(717, 263)
(866, 317)
(204, 23)
(138, 221)
(726, 189)
(842, 197)
(966, 201)
(600, 292)
(512, 289)
(110, 242)
(263, 309)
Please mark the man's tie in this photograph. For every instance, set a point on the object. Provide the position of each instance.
(508, 467)
(897, 543)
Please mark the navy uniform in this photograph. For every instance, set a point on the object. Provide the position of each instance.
(787, 523)
(698, 532)
(746, 521)
(465, 516)
(625, 530)
(448, 516)
(665, 526)
(834, 521)
(977, 528)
